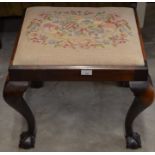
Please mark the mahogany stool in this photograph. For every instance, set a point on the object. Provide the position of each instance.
(79, 44)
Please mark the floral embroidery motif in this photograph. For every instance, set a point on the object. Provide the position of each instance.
(79, 29)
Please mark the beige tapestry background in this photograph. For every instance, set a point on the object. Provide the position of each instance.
(79, 36)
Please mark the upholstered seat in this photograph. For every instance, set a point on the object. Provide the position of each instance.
(79, 36)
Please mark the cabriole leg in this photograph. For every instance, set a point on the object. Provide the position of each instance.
(13, 95)
(144, 96)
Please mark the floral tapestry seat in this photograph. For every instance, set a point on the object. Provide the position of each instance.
(79, 36)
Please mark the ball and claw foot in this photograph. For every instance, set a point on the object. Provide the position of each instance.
(27, 140)
(133, 142)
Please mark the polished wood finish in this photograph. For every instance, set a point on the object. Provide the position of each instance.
(13, 95)
(73, 73)
(144, 96)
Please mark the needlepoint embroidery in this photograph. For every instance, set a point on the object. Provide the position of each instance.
(79, 29)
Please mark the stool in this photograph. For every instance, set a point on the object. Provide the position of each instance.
(79, 44)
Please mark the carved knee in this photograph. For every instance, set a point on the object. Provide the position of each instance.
(14, 89)
(148, 95)
(143, 91)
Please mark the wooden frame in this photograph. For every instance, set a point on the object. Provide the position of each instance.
(19, 78)
(18, 72)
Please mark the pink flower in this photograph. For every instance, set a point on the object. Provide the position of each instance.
(50, 25)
